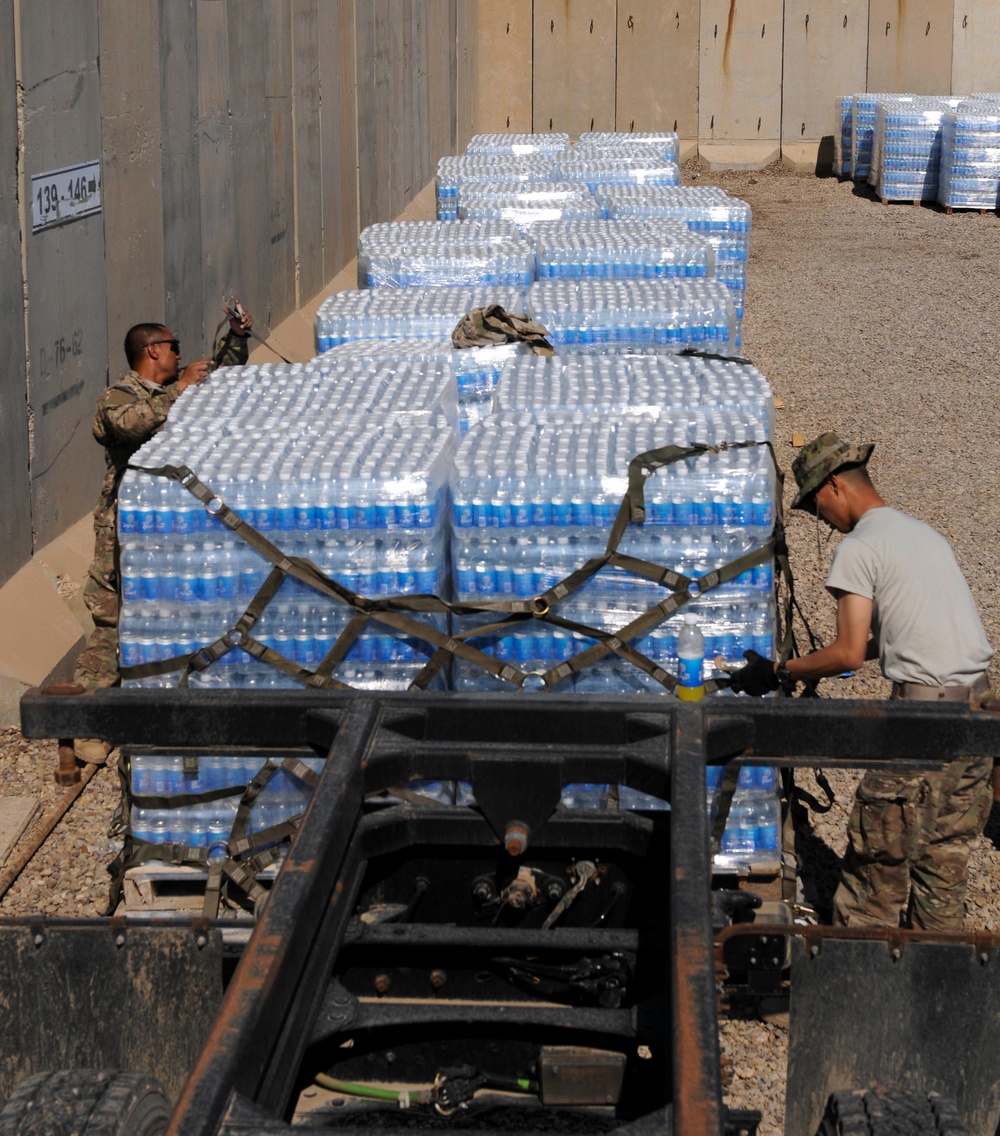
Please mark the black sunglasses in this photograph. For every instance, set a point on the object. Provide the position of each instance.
(175, 344)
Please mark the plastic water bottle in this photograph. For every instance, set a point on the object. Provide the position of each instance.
(690, 660)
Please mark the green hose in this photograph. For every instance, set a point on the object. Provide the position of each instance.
(352, 1088)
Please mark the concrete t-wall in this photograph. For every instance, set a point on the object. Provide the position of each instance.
(741, 81)
(241, 147)
(15, 517)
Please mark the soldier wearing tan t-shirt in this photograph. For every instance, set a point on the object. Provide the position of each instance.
(901, 598)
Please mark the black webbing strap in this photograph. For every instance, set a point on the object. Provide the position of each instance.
(727, 789)
(182, 800)
(213, 891)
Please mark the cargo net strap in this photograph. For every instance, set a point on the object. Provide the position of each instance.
(232, 863)
(392, 611)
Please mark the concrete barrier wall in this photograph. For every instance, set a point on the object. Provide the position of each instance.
(240, 146)
(15, 517)
(741, 81)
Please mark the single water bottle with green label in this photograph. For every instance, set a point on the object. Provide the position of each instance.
(690, 660)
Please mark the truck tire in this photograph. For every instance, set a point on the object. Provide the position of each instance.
(86, 1102)
(889, 1112)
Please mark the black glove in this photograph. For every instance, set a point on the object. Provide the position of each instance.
(756, 678)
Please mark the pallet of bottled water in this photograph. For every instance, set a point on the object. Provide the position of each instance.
(664, 143)
(661, 385)
(592, 315)
(419, 254)
(454, 171)
(636, 166)
(842, 136)
(363, 498)
(208, 824)
(526, 203)
(970, 156)
(403, 313)
(547, 143)
(708, 211)
(620, 249)
(906, 147)
(863, 109)
(533, 497)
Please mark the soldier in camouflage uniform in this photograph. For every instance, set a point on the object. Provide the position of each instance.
(128, 414)
(896, 579)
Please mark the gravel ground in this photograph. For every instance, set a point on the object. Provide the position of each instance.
(868, 319)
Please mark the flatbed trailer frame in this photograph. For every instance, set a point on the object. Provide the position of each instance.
(517, 752)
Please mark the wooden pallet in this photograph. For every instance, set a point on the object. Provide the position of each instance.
(949, 209)
(178, 888)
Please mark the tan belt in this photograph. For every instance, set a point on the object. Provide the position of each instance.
(915, 691)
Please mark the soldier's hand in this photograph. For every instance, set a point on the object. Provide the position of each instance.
(195, 373)
(756, 678)
(240, 321)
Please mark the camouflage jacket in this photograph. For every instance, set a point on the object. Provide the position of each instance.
(129, 413)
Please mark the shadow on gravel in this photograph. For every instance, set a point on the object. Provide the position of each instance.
(819, 865)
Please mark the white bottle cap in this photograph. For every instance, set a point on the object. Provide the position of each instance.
(690, 617)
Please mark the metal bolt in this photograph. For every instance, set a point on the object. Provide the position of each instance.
(382, 984)
(201, 941)
(984, 957)
(813, 950)
(38, 939)
(483, 891)
(895, 954)
(555, 1070)
(515, 838)
(438, 979)
(119, 940)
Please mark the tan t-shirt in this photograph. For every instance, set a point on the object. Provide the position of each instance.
(924, 618)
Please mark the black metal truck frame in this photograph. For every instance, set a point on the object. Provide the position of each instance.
(628, 979)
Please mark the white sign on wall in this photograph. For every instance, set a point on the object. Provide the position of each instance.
(65, 195)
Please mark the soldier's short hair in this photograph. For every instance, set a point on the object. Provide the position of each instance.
(138, 336)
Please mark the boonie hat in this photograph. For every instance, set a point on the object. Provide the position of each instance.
(822, 456)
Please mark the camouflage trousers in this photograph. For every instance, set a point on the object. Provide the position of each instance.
(97, 663)
(909, 841)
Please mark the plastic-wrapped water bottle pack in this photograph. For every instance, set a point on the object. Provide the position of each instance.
(620, 249)
(970, 156)
(616, 167)
(661, 386)
(524, 203)
(665, 143)
(209, 824)
(388, 313)
(863, 105)
(906, 147)
(551, 143)
(411, 254)
(317, 394)
(362, 498)
(842, 136)
(752, 836)
(455, 171)
(590, 315)
(532, 499)
(476, 370)
(706, 210)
